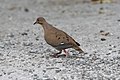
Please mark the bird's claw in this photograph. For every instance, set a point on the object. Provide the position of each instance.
(57, 55)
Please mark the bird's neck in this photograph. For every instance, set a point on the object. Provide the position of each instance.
(46, 26)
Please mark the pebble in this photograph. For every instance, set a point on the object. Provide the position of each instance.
(24, 34)
(118, 51)
(57, 70)
(27, 43)
(108, 53)
(10, 35)
(103, 39)
(26, 10)
(2, 45)
(118, 37)
(118, 20)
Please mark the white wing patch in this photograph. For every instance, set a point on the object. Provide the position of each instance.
(62, 43)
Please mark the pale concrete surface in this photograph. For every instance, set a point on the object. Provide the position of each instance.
(24, 55)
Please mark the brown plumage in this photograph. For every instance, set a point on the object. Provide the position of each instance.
(57, 38)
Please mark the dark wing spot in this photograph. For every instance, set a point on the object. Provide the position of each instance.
(58, 38)
(67, 36)
(67, 39)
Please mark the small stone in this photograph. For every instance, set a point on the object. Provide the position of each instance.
(10, 35)
(101, 31)
(58, 70)
(103, 39)
(0, 75)
(27, 30)
(12, 8)
(46, 77)
(33, 64)
(106, 34)
(1, 54)
(37, 38)
(118, 51)
(26, 10)
(118, 20)
(44, 71)
(110, 48)
(114, 46)
(95, 51)
(2, 45)
(33, 51)
(114, 51)
(63, 11)
(35, 75)
(27, 44)
(24, 33)
(118, 37)
(72, 77)
(108, 53)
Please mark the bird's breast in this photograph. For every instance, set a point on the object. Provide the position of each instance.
(50, 39)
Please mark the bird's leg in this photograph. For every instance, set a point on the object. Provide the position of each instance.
(56, 54)
(66, 53)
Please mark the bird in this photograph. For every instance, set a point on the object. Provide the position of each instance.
(57, 38)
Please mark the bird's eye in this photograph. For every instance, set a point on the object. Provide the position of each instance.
(38, 20)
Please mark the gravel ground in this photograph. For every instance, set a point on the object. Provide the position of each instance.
(24, 55)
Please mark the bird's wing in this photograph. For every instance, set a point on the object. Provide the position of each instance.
(59, 39)
(63, 41)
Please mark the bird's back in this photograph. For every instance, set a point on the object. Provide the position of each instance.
(58, 38)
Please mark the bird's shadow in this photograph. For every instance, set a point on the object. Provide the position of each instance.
(64, 56)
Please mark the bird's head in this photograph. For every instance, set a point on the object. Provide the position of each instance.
(40, 20)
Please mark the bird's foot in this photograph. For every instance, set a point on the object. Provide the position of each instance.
(55, 55)
(66, 53)
(58, 55)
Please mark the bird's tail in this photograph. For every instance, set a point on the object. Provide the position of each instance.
(79, 49)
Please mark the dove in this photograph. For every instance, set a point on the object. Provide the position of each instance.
(57, 38)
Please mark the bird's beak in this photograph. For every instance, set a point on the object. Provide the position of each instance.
(35, 23)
